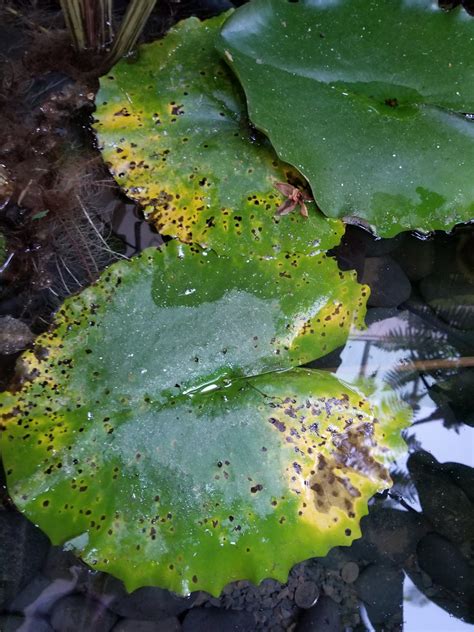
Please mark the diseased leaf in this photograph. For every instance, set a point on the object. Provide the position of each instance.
(174, 131)
(367, 101)
(161, 429)
(239, 482)
(143, 437)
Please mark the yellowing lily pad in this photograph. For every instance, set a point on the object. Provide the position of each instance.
(173, 129)
(235, 483)
(157, 433)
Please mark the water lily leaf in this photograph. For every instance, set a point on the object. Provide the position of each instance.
(182, 317)
(138, 438)
(174, 132)
(236, 483)
(367, 101)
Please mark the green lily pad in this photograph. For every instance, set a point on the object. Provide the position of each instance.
(142, 437)
(367, 101)
(174, 132)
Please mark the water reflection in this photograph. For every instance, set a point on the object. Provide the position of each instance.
(424, 349)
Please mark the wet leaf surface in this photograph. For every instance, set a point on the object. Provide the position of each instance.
(365, 104)
(174, 132)
(139, 438)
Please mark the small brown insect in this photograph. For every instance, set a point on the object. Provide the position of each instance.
(295, 198)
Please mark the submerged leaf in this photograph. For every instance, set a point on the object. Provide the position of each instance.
(367, 101)
(142, 436)
(174, 131)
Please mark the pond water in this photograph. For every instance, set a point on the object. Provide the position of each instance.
(412, 570)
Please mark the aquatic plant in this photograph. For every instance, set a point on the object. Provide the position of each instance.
(91, 26)
(156, 431)
(174, 132)
(366, 104)
(162, 428)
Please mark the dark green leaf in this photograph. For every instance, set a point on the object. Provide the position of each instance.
(367, 101)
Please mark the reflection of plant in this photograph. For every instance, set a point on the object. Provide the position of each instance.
(433, 351)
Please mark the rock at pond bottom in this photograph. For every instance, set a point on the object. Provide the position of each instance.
(40, 595)
(59, 563)
(449, 289)
(454, 396)
(415, 256)
(350, 572)
(170, 624)
(446, 566)
(76, 613)
(23, 549)
(306, 594)
(381, 589)
(218, 620)
(389, 285)
(152, 604)
(390, 536)
(20, 624)
(448, 509)
(14, 335)
(325, 616)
